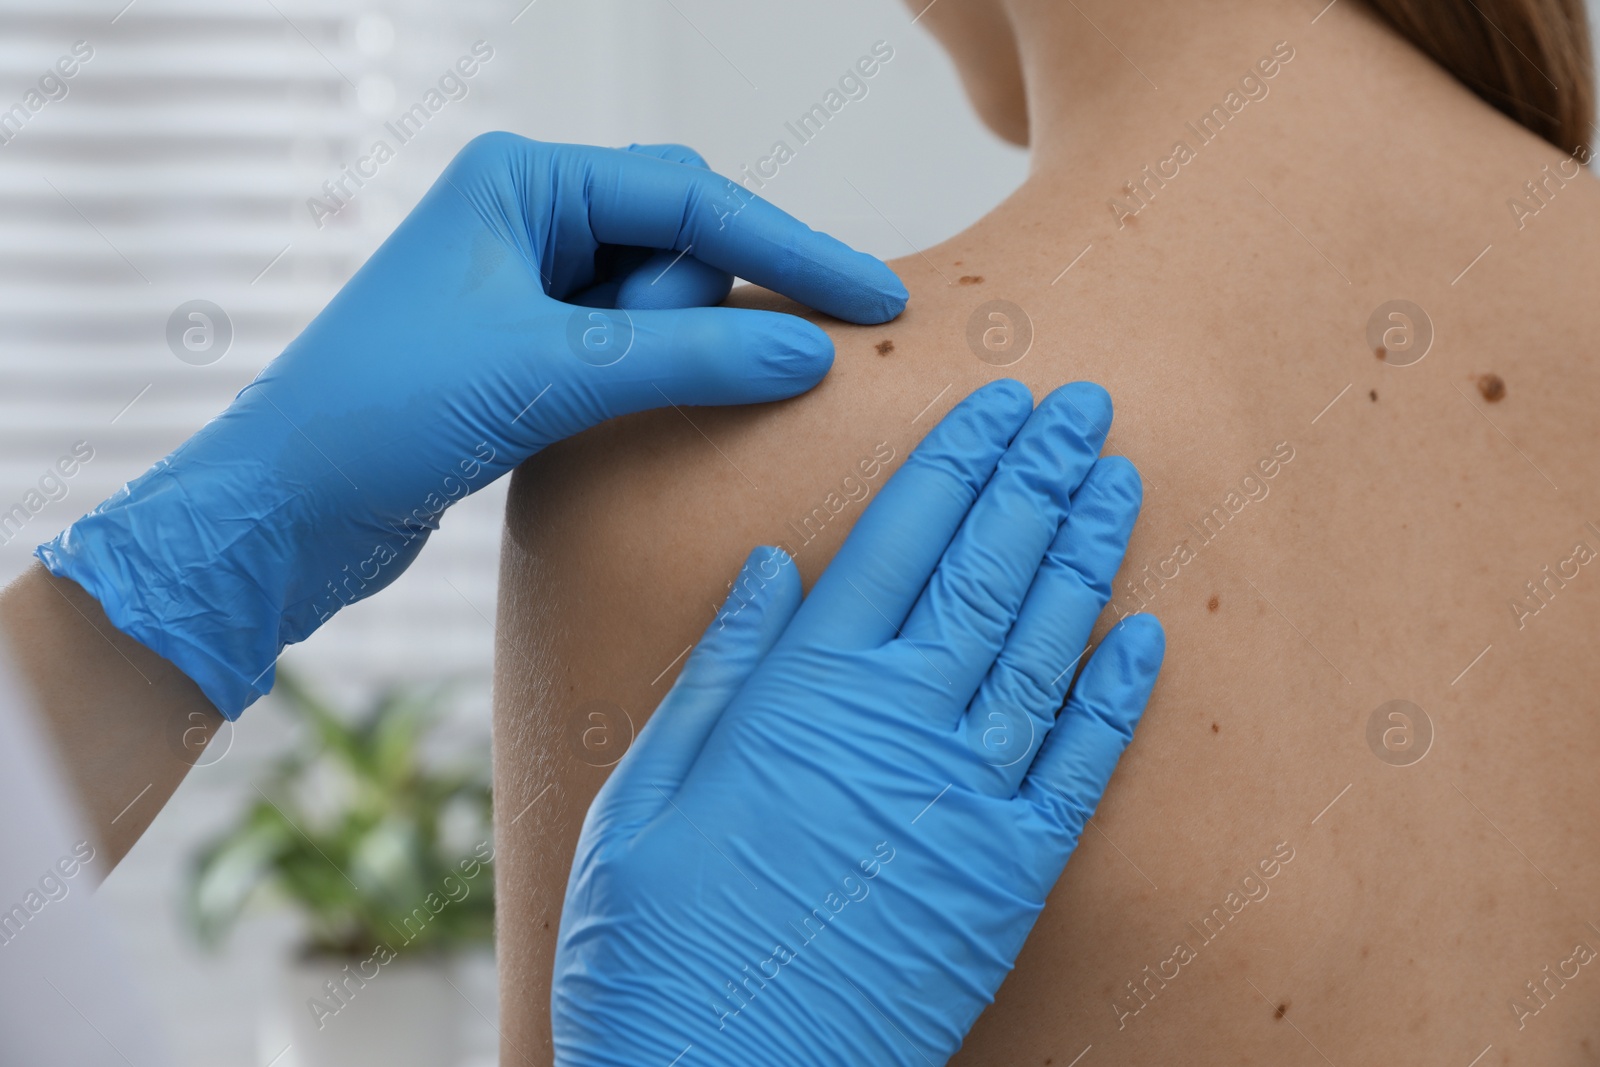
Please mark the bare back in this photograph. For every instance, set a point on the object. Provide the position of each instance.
(1288, 866)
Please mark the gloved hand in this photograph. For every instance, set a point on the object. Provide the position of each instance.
(830, 842)
(470, 340)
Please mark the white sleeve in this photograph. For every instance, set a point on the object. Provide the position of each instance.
(64, 994)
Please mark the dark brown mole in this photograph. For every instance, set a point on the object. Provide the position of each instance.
(1373, 393)
(1381, 352)
(1282, 1010)
(1215, 728)
(1493, 387)
(970, 279)
(884, 347)
(1213, 603)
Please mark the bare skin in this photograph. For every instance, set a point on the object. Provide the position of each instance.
(127, 724)
(1381, 562)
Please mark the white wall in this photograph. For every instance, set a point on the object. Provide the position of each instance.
(178, 168)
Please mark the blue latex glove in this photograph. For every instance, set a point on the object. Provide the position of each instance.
(468, 342)
(830, 842)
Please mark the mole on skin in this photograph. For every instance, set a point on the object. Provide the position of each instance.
(1381, 352)
(1373, 393)
(970, 279)
(1211, 605)
(1215, 728)
(1282, 1010)
(884, 347)
(1493, 387)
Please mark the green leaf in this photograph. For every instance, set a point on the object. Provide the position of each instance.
(359, 866)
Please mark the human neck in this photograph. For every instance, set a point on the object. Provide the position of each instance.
(1104, 75)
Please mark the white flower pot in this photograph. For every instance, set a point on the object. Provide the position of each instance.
(406, 1014)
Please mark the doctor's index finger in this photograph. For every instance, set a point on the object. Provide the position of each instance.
(637, 199)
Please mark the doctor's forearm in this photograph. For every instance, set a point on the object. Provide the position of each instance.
(126, 724)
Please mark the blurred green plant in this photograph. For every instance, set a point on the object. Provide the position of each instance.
(354, 806)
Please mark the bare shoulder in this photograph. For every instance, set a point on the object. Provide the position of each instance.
(1371, 528)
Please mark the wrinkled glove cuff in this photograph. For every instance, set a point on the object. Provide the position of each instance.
(138, 556)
